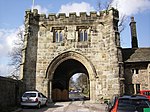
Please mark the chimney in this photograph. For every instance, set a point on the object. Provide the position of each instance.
(134, 40)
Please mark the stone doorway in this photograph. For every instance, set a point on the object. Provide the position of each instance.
(62, 69)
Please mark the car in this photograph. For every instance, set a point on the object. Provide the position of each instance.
(75, 95)
(129, 103)
(145, 93)
(33, 98)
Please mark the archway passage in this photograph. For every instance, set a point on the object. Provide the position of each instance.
(79, 87)
(61, 77)
(62, 68)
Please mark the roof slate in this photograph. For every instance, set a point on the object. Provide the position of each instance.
(136, 55)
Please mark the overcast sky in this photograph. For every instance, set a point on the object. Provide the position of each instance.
(12, 17)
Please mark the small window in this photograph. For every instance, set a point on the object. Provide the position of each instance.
(43, 95)
(29, 95)
(137, 71)
(83, 36)
(132, 71)
(137, 88)
(39, 95)
(58, 36)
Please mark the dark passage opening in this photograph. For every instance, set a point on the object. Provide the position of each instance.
(61, 78)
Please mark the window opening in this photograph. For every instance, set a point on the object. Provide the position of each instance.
(83, 36)
(132, 71)
(58, 36)
(137, 88)
(137, 71)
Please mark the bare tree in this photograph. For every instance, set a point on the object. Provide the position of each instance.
(122, 24)
(71, 83)
(82, 83)
(106, 6)
(16, 53)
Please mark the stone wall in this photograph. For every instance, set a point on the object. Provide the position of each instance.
(10, 93)
(101, 49)
(137, 74)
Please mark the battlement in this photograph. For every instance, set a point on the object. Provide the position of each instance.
(73, 16)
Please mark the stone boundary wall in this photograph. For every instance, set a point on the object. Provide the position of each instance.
(10, 92)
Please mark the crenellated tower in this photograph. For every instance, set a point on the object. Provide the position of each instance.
(58, 46)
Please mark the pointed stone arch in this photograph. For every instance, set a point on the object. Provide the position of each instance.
(71, 55)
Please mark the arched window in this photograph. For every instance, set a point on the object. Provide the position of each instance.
(83, 36)
(56, 37)
(60, 36)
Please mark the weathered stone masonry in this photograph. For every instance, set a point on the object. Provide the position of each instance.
(10, 92)
(53, 40)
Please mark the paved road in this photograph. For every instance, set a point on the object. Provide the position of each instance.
(72, 106)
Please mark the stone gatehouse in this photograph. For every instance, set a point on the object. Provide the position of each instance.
(58, 46)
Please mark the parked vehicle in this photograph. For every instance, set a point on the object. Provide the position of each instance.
(145, 93)
(126, 103)
(33, 98)
(75, 95)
